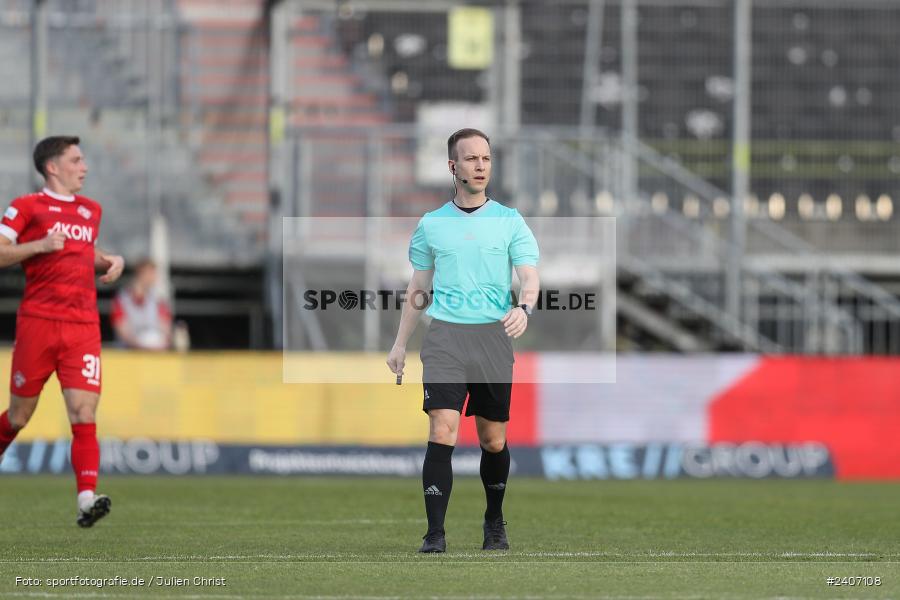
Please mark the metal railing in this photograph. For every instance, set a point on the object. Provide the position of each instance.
(684, 259)
(558, 172)
(870, 305)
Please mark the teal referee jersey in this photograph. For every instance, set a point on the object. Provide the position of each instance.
(472, 255)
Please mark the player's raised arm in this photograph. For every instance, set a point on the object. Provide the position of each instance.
(11, 254)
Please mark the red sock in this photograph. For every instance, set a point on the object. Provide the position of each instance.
(7, 433)
(85, 455)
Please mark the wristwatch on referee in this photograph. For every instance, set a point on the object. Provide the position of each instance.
(526, 308)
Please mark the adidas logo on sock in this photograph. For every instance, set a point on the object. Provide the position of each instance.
(433, 491)
(496, 486)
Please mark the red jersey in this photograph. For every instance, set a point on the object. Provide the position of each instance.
(58, 285)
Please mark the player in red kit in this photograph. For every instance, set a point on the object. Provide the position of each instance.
(53, 233)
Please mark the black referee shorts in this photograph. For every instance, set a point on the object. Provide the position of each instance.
(462, 360)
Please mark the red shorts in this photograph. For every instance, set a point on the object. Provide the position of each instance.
(45, 345)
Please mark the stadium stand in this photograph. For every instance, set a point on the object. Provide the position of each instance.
(225, 86)
(817, 70)
(821, 78)
(825, 127)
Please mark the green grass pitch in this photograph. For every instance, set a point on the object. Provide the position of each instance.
(356, 538)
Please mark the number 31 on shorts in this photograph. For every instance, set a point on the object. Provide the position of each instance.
(91, 370)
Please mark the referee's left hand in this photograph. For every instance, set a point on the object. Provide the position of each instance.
(515, 322)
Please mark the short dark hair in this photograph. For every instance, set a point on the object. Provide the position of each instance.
(461, 135)
(50, 148)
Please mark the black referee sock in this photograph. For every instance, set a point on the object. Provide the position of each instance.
(494, 473)
(437, 481)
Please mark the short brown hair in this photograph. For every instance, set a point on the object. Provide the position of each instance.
(461, 135)
(50, 148)
(144, 263)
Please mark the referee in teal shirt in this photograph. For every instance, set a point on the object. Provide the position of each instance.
(465, 251)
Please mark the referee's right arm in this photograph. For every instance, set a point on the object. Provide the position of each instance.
(417, 296)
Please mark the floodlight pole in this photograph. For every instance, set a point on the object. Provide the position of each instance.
(740, 154)
(510, 116)
(591, 67)
(38, 78)
(160, 248)
(593, 38)
(630, 135)
(375, 211)
(277, 17)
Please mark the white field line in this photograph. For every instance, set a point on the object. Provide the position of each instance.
(250, 523)
(390, 557)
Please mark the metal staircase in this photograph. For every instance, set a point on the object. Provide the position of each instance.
(830, 294)
(683, 260)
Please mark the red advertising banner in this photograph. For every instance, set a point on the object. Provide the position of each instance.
(522, 427)
(852, 405)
